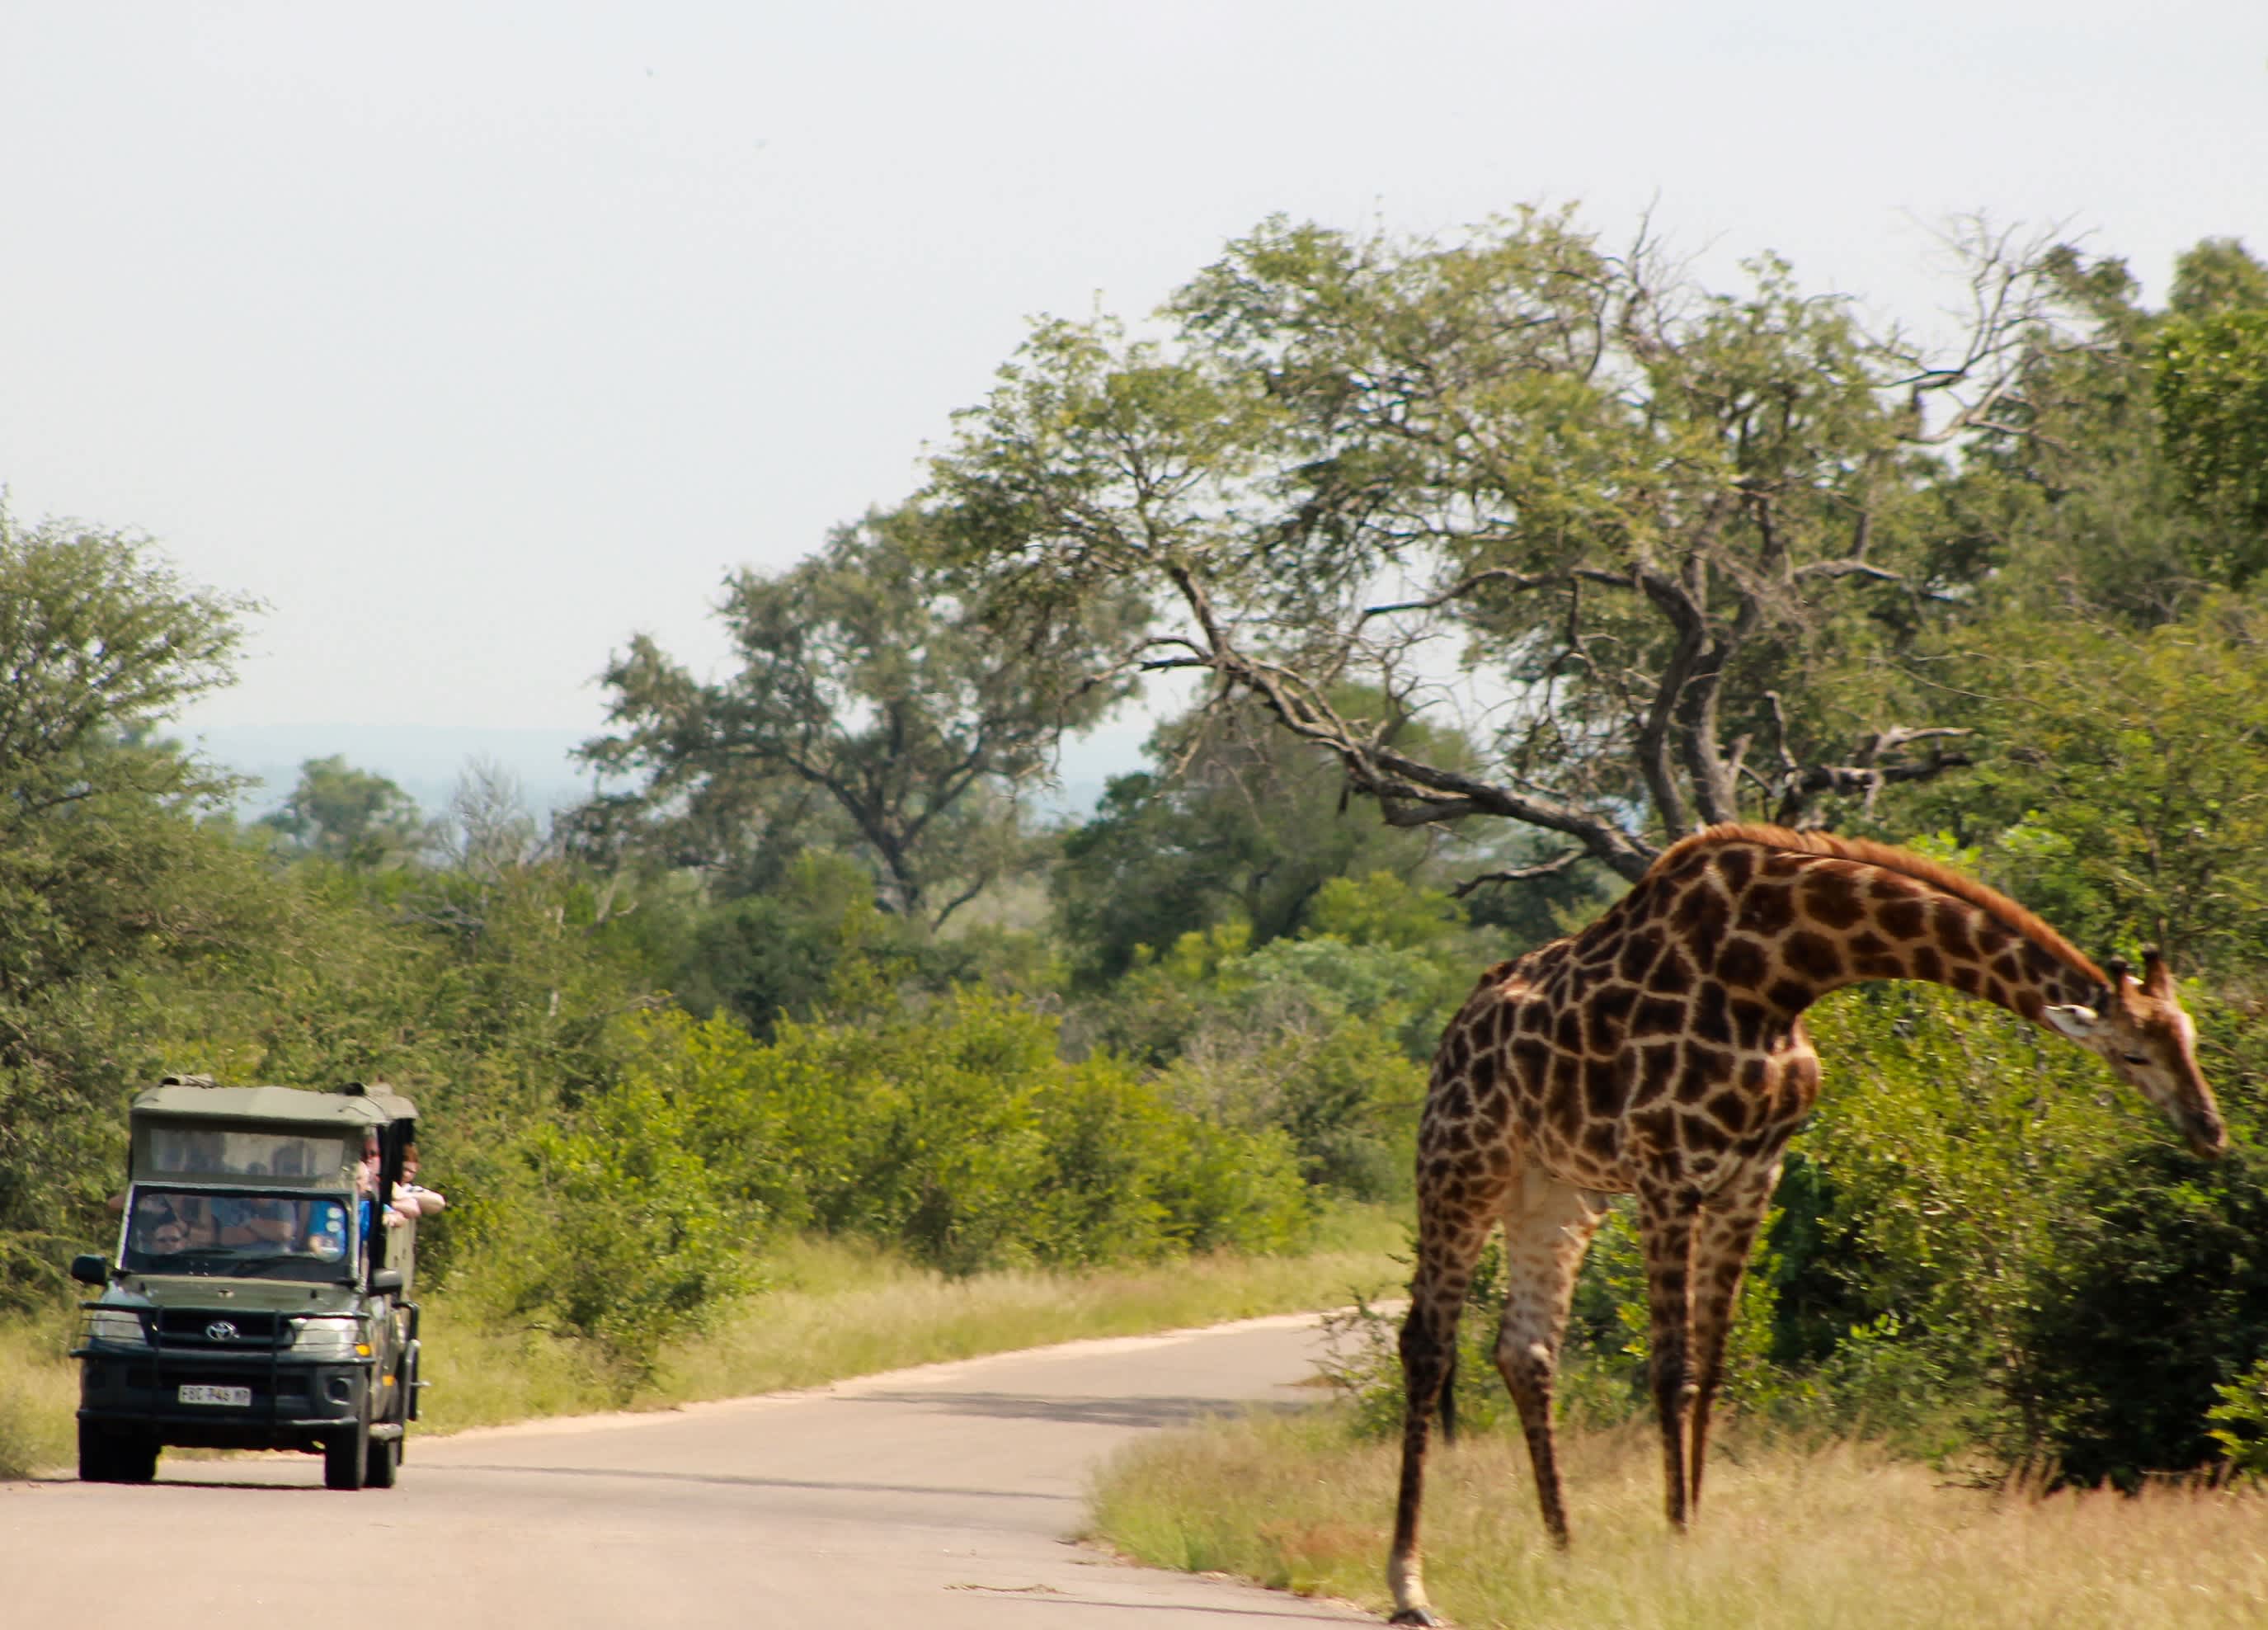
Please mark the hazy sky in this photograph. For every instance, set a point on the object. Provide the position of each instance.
(472, 338)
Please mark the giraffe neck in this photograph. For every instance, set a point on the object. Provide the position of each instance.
(1792, 927)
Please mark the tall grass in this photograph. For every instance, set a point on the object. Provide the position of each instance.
(39, 1390)
(1835, 1536)
(835, 1309)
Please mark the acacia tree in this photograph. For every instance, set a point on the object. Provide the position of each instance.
(869, 693)
(1681, 536)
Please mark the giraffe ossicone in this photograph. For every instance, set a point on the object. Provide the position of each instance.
(1661, 1052)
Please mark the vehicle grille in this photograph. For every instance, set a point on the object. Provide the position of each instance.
(211, 1331)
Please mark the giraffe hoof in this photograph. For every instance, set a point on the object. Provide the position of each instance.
(1416, 1616)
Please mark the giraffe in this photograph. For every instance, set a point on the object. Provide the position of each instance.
(1661, 1052)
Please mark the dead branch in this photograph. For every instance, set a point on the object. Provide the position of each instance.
(1544, 868)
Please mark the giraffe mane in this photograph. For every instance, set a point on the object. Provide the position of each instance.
(1920, 868)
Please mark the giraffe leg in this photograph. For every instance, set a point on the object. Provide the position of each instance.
(1720, 1256)
(1446, 1254)
(1668, 1218)
(1547, 1228)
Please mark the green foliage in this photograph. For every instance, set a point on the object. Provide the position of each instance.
(784, 951)
(349, 816)
(2212, 398)
(105, 874)
(2126, 797)
(1555, 453)
(607, 1227)
(1325, 1037)
(2240, 1422)
(960, 1135)
(2216, 275)
(2152, 1309)
(871, 707)
(1246, 825)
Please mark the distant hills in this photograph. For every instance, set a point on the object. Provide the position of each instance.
(423, 760)
(426, 760)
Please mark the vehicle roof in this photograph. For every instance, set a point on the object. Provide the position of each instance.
(353, 1105)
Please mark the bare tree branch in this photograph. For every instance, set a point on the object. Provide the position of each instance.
(1546, 868)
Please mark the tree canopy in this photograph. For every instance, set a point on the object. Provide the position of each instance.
(1664, 544)
(353, 816)
(869, 698)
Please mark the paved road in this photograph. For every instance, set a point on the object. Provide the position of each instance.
(932, 1497)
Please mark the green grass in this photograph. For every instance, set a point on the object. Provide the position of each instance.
(834, 1309)
(1834, 1537)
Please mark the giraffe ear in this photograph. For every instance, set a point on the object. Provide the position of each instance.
(2074, 1020)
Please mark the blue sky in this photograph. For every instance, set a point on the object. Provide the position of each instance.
(472, 338)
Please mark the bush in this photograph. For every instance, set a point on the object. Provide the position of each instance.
(2156, 1308)
(961, 1136)
(608, 1229)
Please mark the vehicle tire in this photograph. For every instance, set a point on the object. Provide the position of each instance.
(107, 1457)
(137, 1459)
(382, 1462)
(346, 1457)
(98, 1458)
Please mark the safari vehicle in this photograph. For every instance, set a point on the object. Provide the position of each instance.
(255, 1300)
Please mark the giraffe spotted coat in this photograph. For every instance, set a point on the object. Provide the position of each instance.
(1661, 1052)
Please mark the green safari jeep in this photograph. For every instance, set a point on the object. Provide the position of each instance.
(257, 1297)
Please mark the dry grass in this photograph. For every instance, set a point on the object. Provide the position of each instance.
(1839, 1537)
(39, 1391)
(841, 1310)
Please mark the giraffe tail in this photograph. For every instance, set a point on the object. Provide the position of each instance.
(1449, 1397)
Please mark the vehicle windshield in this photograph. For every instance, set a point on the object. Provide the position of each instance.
(242, 1233)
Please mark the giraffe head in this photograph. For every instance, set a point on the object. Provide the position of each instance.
(2142, 1031)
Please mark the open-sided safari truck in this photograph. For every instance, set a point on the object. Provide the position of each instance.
(256, 1298)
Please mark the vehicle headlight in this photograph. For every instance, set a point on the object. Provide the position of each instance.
(119, 1326)
(327, 1335)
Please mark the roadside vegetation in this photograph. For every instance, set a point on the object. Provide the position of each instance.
(1792, 1536)
(815, 1043)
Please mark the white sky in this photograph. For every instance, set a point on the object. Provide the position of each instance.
(472, 338)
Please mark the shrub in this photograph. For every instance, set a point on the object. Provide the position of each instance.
(609, 1229)
(958, 1134)
(2156, 1309)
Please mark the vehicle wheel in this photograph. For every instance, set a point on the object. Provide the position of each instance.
(98, 1460)
(106, 1457)
(137, 1459)
(383, 1461)
(346, 1458)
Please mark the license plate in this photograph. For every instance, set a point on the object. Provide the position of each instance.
(237, 1398)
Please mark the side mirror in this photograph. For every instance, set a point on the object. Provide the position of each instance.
(90, 1269)
(386, 1278)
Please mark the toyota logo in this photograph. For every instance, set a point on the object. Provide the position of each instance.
(220, 1329)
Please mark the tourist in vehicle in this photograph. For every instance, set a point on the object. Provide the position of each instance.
(161, 1234)
(327, 1230)
(251, 1220)
(410, 1200)
(196, 1216)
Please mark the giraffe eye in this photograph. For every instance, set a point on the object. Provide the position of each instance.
(2134, 1057)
